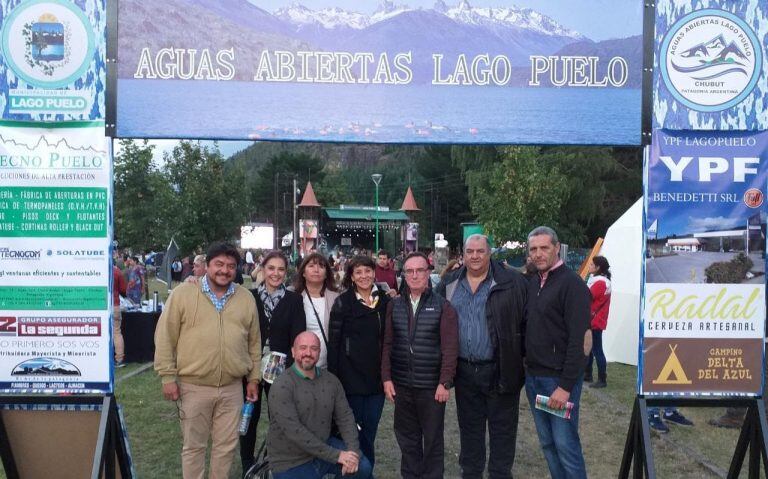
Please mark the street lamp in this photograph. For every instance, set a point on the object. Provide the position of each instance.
(376, 177)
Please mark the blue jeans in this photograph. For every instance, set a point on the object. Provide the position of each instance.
(317, 469)
(597, 354)
(367, 410)
(559, 438)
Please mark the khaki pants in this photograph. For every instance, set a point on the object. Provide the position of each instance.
(209, 411)
(117, 334)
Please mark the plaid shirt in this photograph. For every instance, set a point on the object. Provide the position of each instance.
(218, 303)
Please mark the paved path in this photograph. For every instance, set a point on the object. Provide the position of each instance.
(688, 267)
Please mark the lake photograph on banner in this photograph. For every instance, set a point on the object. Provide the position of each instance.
(703, 306)
(484, 71)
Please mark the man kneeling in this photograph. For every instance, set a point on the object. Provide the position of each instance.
(303, 404)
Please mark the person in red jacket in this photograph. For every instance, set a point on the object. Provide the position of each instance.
(600, 286)
(119, 286)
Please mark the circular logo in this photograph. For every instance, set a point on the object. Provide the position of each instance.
(753, 198)
(710, 60)
(48, 43)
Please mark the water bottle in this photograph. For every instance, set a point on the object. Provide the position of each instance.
(154, 301)
(245, 419)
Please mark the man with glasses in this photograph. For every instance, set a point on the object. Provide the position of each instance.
(206, 341)
(490, 301)
(417, 367)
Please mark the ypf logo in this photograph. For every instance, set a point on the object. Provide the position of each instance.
(710, 60)
(48, 43)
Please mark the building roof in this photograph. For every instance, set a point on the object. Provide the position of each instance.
(364, 214)
(309, 200)
(683, 242)
(409, 202)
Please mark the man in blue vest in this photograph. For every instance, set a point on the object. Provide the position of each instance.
(490, 302)
(417, 368)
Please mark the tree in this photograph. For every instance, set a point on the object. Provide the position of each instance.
(211, 200)
(274, 183)
(516, 193)
(142, 197)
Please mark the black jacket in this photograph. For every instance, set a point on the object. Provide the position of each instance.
(355, 339)
(288, 321)
(505, 316)
(416, 357)
(558, 318)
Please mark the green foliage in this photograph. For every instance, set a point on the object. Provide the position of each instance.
(733, 271)
(578, 191)
(517, 193)
(142, 196)
(210, 201)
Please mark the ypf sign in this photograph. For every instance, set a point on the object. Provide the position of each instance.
(703, 314)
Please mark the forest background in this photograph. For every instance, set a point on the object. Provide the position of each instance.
(198, 196)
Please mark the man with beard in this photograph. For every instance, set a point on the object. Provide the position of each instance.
(207, 339)
(303, 403)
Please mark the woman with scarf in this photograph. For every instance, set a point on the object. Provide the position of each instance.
(355, 345)
(281, 319)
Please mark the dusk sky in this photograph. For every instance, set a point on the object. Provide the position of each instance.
(597, 19)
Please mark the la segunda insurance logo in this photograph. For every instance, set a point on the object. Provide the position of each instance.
(48, 43)
(710, 60)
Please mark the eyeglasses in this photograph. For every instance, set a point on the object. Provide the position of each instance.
(414, 272)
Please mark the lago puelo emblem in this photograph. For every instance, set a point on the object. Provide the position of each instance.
(710, 60)
(48, 43)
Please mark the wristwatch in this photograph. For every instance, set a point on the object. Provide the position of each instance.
(448, 384)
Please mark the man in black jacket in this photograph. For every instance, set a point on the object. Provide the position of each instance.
(558, 320)
(417, 367)
(490, 301)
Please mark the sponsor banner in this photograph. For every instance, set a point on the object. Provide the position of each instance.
(53, 352)
(426, 72)
(703, 308)
(53, 59)
(734, 365)
(43, 259)
(55, 305)
(710, 65)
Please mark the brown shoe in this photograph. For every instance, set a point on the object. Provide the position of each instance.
(727, 422)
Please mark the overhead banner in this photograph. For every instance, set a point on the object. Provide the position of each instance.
(703, 306)
(710, 65)
(55, 220)
(427, 72)
(52, 64)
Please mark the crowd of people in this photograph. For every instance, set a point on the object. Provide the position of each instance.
(326, 357)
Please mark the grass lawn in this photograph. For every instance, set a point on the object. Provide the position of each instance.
(155, 437)
(697, 452)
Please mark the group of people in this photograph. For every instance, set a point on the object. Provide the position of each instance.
(326, 361)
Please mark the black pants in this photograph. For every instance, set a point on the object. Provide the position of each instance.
(419, 421)
(248, 441)
(477, 404)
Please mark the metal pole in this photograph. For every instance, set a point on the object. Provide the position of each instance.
(295, 212)
(376, 251)
(376, 177)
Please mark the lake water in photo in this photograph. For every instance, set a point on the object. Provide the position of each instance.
(377, 113)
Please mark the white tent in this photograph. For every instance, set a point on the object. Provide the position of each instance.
(623, 249)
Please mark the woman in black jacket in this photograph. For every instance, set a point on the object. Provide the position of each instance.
(354, 347)
(281, 319)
